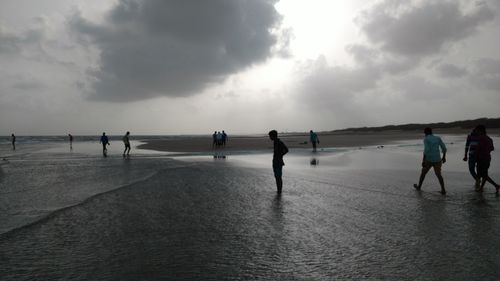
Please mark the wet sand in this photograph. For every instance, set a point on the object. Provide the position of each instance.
(293, 140)
(245, 143)
(353, 215)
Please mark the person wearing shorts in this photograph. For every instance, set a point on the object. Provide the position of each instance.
(483, 154)
(432, 158)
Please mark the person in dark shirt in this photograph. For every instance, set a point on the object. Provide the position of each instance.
(280, 150)
(126, 142)
(470, 154)
(105, 142)
(224, 138)
(214, 139)
(483, 156)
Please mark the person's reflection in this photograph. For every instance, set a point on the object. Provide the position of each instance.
(277, 213)
(314, 162)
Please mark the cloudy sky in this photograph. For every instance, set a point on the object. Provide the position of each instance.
(245, 66)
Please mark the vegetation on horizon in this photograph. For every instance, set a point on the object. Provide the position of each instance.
(463, 124)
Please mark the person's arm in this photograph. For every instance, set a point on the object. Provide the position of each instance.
(284, 150)
(443, 149)
(467, 144)
(426, 150)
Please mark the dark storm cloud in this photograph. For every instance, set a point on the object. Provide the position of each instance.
(177, 48)
(424, 29)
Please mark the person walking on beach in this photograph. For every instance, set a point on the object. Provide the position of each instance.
(432, 158)
(70, 141)
(13, 140)
(126, 142)
(470, 154)
(105, 142)
(483, 156)
(313, 137)
(280, 150)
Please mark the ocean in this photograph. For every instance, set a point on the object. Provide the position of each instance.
(345, 214)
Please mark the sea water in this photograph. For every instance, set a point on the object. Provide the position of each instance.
(345, 213)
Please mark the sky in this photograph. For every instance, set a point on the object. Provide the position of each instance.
(244, 66)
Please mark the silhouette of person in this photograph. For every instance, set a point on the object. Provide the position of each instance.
(70, 141)
(313, 137)
(224, 138)
(126, 141)
(470, 154)
(483, 157)
(280, 150)
(13, 140)
(105, 142)
(219, 138)
(432, 158)
(214, 139)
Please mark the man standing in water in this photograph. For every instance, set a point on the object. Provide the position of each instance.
(280, 150)
(104, 141)
(13, 139)
(126, 141)
(432, 158)
(313, 137)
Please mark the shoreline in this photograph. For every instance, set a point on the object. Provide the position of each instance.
(292, 140)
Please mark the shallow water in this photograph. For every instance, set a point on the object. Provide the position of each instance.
(353, 215)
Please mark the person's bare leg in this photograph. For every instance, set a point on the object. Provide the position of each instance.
(279, 184)
(441, 181)
(422, 177)
(483, 182)
(490, 180)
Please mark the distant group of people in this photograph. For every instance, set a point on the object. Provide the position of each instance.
(478, 150)
(219, 139)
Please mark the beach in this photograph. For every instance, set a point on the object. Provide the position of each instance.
(293, 140)
(351, 214)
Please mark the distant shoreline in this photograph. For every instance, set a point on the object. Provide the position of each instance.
(293, 140)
